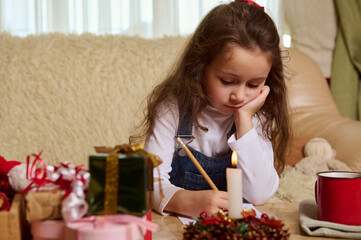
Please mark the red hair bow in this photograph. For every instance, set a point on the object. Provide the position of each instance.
(251, 2)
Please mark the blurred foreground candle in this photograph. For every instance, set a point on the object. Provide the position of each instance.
(234, 188)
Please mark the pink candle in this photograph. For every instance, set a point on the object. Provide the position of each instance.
(234, 188)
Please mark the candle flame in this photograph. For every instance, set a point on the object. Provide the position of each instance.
(234, 159)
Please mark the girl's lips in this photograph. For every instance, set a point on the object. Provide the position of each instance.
(233, 108)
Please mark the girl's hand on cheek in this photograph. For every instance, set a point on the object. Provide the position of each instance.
(253, 106)
(243, 115)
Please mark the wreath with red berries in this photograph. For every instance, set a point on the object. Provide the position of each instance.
(223, 227)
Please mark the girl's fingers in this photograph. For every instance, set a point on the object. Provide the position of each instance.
(224, 195)
(265, 91)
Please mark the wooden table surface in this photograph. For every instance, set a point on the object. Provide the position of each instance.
(170, 227)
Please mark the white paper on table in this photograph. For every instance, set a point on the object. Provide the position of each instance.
(187, 220)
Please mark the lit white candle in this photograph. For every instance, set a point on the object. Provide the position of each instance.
(234, 188)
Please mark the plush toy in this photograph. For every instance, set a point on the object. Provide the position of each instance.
(14, 172)
(5, 167)
(319, 156)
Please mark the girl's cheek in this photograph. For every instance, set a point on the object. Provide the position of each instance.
(255, 95)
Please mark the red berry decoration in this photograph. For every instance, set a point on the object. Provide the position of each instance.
(203, 215)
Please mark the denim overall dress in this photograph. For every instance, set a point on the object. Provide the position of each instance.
(184, 173)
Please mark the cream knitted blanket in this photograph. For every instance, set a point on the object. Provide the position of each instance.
(64, 94)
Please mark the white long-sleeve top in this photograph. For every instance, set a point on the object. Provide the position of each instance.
(254, 151)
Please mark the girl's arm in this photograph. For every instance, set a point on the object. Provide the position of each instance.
(178, 200)
(255, 152)
(161, 142)
(255, 158)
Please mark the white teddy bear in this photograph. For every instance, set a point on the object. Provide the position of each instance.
(319, 156)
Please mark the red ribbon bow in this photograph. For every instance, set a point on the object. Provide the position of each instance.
(37, 174)
(251, 2)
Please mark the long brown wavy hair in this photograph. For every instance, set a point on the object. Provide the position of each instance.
(236, 23)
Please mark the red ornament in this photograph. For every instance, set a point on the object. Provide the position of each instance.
(4, 202)
(6, 188)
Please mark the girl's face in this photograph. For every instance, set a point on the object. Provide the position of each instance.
(236, 77)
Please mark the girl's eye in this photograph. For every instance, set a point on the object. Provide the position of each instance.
(225, 82)
(252, 86)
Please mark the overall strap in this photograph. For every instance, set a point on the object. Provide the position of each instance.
(185, 125)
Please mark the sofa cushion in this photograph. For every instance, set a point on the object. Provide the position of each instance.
(295, 153)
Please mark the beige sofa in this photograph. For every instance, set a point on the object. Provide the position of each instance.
(64, 94)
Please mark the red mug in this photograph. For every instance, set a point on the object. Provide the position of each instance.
(338, 197)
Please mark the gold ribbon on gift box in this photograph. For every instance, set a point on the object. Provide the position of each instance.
(111, 184)
(111, 172)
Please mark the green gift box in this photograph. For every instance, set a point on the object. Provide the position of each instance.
(120, 183)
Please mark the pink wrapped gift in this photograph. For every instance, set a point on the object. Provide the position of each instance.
(48, 230)
(105, 227)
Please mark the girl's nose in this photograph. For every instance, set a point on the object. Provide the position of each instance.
(238, 96)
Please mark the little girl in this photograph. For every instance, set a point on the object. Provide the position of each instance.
(227, 93)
